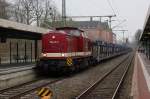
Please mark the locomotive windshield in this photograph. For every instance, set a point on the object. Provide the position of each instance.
(62, 31)
(71, 31)
(84, 34)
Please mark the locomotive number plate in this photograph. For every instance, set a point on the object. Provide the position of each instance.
(53, 42)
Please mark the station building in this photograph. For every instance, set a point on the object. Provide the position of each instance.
(97, 30)
(19, 43)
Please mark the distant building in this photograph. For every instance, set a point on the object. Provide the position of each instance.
(96, 30)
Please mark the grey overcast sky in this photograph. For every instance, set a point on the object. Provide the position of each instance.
(134, 11)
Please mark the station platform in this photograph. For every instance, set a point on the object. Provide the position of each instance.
(15, 74)
(11, 68)
(5, 66)
(141, 77)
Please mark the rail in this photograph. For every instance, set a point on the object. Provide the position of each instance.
(89, 90)
(21, 90)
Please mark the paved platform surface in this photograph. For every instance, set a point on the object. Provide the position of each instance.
(11, 68)
(5, 66)
(141, 77)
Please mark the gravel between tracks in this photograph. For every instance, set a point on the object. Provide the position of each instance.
(71, 87)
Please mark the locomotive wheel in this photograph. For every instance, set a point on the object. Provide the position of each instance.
(67, 70)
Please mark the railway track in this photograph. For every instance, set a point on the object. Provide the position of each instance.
(25, 89)
(108, 86)
(21, 90)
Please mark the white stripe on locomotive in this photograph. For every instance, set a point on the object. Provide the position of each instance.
(67, 54)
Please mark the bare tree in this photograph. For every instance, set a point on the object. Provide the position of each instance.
(17, 12)
(41, 12)
(27, 6)
(47, 10)
(50, 15)
(4, 6)
(23, 11)
(38, 10)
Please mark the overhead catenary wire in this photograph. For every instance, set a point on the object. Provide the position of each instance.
(111, 7)
(114, 12)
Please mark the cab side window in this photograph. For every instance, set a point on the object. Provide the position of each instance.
(84, 35)
(75, 32)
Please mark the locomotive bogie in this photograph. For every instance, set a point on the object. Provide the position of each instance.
(62, 65)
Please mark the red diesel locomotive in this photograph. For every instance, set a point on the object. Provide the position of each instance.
(64, 49)
(69, 49)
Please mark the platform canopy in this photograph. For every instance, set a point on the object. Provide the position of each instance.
(146, 31)
(10, 29)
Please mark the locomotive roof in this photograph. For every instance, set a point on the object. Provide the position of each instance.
(69, 28)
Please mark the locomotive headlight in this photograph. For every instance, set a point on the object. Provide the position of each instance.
(63, 54)
(44, 54)
(53, 37)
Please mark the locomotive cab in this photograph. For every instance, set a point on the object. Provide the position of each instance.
(54, 44)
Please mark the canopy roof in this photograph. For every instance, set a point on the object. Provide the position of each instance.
(146, 31)
(12, 29)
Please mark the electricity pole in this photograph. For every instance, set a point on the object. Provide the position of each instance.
(91, 17)
(64, 12)
(110, 21)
